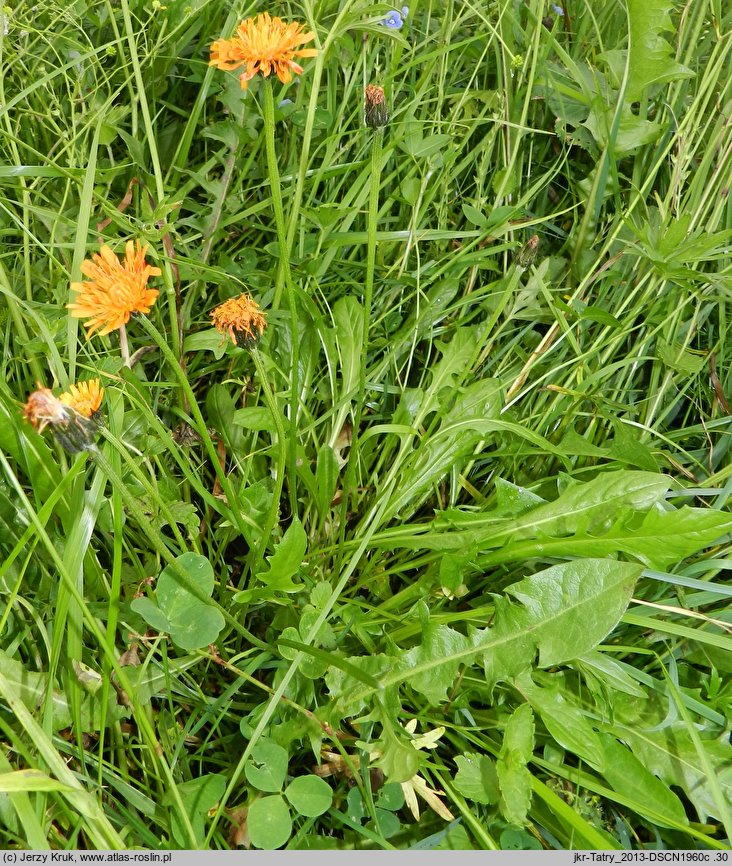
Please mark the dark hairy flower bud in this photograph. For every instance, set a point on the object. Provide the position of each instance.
(376, 111)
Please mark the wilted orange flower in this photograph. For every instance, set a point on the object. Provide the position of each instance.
(43, 409)
(72, 429)
(114, 290)
(265, 45)
(84, 397)
(243, 320)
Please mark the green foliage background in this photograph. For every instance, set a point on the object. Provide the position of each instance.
(498, 566)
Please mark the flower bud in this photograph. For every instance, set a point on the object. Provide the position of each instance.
(376, 112)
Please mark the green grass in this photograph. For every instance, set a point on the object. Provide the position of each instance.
(460, 521)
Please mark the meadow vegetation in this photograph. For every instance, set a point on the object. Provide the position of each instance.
(422, 541)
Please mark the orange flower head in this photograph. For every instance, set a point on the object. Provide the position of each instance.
(263, 44)
(84, 397)
(114, 289)
(42, 409)
(242, 319)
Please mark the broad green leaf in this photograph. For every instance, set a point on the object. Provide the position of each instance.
(325, 636)
(450, 370)
(659, 540)
(603, 669)
(565, 612)
(326, 478)
(633, 132)
(348, 318)
(626, 447)
(350, 690)
(567, 723)
(391, 797)
(267, 766)
(355, 806)
(514, 778)
(513, 500)
(191, 622)
(254, 418)
(387, 822)
(31, 688)
(151, 613)
(439, 644)
(474, 215)
(477, 778)
(269, 823)
(650, 56)
(625, 773)
(453, 570)
(309, 795)
(199, 795)
(221, 409)
(512, 839)
(286, 560)
(462, 428)
(670, 754)
(210, 340)
(682, 360)
(592, 506)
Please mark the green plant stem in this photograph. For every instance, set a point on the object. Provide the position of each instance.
(283, 277)
(377, 143)
(274, 508)
(141, 96)
(350, 485)
(180, 375)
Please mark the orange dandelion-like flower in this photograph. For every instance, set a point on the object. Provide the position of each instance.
(84, 397)
(242, 319)
(263, 44)
(114, 290)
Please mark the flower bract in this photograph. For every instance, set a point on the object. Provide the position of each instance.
(263, 44)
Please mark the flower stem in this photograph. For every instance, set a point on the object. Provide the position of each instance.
(179, 373)
(283, 277)
(274, 508)
(372, 220)
(124, 348)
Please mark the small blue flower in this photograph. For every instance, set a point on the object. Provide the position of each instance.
(557, 10)
(393, 21)
(405, 11)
